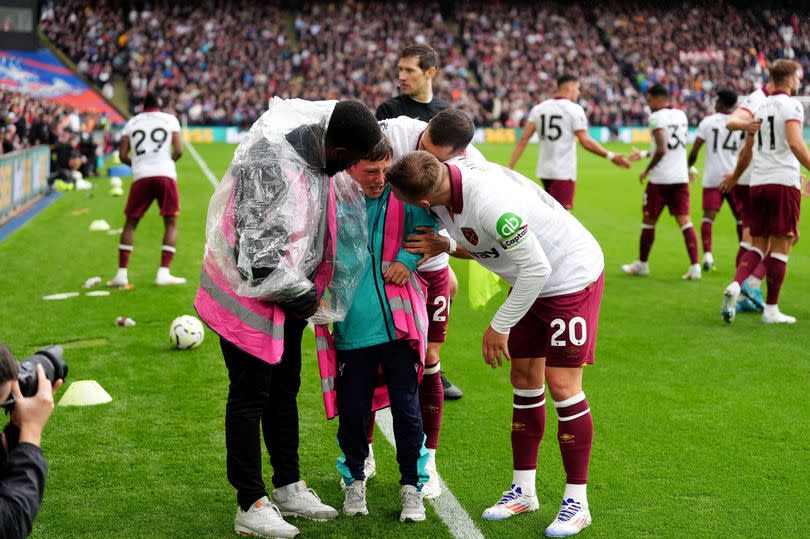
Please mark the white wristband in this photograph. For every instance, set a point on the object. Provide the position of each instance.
(453, 246)
(610, 156)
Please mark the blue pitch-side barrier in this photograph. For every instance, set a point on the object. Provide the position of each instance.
(23, 176)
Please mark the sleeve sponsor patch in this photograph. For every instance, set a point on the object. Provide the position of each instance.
(511, 230)
(516, 239)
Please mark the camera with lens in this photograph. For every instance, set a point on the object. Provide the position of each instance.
(52, 363)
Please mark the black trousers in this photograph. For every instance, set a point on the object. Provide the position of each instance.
(266, 394)
(357, 377)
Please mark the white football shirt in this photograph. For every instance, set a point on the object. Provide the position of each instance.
(515, 229)
(556, 121)
(773, 161)
(150, 143)
(673, 167)
(722, 147)
(751, 103)
(404, 133)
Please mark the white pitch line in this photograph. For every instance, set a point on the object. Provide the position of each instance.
(447, 507)
(203, 165)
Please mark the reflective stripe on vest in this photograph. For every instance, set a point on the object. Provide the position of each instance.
(243, 313)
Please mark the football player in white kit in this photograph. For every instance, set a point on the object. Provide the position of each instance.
(546, 327)
(447, 135)
(156, 142)
(559, 122)
(739, 183)
(722, 147)
(779, 151)
(668, 184)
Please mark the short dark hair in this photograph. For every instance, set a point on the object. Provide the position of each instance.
(565, 78)
(9, 367)
(658, 90)
(428, 57)
(381, 151)
(781, 70)
(416, 175)
(352, 126)
(152, 101)
(727, 98)
(451, 127)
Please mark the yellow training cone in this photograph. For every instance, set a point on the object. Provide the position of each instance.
(84, 393)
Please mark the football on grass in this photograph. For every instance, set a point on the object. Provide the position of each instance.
(186, 332)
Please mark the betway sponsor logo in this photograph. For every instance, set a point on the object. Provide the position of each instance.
(492, 253)
(517, 238)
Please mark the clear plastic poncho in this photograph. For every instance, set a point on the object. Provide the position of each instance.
(268, 222)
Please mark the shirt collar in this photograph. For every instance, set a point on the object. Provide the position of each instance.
(152, 110)
(419, 139)
(456, 196)
(777, 92)
(765, 90)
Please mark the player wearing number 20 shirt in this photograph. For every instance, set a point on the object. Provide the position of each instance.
(547, 325)
(151, 142)
(668, 184)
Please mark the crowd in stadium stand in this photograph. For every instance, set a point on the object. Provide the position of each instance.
(219, 63)
(26, 122)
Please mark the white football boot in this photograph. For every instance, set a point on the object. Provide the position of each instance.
(772, 315)
(513, 502)
(121, 278)
(730, 297)
(708, 262)
(164, 278)
(637, 268)
(264, 520)
(572, 519)
(693, 274)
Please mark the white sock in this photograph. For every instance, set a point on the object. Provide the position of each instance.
(122, 275)
(431, 457)
(578, 493)
(754, 283)
(525, 479)
(163, 271)
(370, 451)
(771, 309)
(695, 267)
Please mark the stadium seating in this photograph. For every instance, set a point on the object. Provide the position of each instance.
(219, 63)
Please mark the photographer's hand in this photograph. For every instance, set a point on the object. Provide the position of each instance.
(32, 413)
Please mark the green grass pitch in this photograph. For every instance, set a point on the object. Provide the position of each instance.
(701, 428)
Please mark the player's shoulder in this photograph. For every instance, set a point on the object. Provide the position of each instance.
(718, 118)
(787, 104)
(402, 123)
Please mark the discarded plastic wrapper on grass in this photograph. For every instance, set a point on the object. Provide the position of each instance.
(84, 393)
(124, 321)
(97, 293)
(268, 220)
(62, 295)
